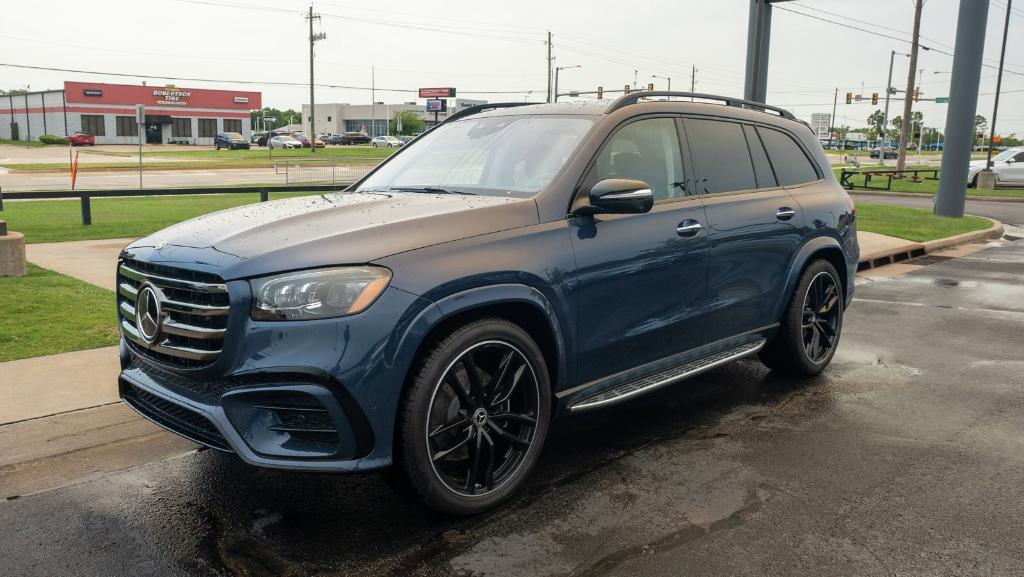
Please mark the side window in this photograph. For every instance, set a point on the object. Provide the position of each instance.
(645, 150)
(789, 161)
(721, 158)
(1019, 157)
(762, 168)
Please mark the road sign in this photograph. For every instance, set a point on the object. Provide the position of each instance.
(437, 92)
(269, 119)
(942, 100)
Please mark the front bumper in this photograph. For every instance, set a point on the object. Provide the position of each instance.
(300, 395)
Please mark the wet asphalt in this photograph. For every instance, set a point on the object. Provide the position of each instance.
(906, 457)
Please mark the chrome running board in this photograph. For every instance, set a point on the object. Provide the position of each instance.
(658, 380)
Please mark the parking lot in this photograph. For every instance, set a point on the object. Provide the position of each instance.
(903, 458)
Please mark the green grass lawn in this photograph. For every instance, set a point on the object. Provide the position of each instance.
(85, 319)
(208, 158)
(60, 220)
(926, 186)
(916, 224)
(29, 143)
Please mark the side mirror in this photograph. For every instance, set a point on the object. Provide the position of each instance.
(1011, 160)
(619, 196)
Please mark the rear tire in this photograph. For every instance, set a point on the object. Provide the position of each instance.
(474, 417)
(811, 324)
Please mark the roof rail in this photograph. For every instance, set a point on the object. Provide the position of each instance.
(633, 97)
(483, 107)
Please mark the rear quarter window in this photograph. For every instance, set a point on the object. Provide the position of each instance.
(791, 164)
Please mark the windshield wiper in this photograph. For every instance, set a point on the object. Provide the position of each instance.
(429, 189)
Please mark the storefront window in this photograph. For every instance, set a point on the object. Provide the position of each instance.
(207, 127)
(93, 124)
(126, 126)
(181, 127)
(233, 125)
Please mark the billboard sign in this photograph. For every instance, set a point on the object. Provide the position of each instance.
(437, 93)
(92, 92)
(437, 105)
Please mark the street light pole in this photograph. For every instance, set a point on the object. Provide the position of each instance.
(885, 117)
(669, 78)
(559, 69)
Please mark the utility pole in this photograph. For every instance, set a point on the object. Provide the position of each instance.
(635, 72)
(550, 61)
(312, 100)
(908, 100)
(999, 86)
(832, 119)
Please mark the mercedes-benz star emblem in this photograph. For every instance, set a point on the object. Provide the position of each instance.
(148, 316)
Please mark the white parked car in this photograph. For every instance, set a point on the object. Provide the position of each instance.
(284, 141)
(388, 141)
(1008, 166)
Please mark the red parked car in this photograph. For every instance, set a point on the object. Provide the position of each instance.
(81, 139)
(306, 143)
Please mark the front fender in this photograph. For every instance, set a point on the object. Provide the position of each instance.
(479, 297)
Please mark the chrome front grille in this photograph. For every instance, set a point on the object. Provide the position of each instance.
(193, 312)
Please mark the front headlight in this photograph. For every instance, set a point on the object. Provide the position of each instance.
(317, 294)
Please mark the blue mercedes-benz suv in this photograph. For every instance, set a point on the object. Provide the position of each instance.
(514, 264)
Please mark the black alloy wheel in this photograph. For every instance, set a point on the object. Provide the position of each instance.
(482, 418)
(820, 324)
(811, 324)
(473, 418)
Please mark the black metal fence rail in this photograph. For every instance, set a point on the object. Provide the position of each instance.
(86, 196)
(846, 174)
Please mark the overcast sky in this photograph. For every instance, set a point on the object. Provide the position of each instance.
(499, 46)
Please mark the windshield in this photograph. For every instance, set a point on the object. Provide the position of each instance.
(234, 135)
(497, 155)
(1006, 154)
(286, 138)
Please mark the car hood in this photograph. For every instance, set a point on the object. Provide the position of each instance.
(332, 229)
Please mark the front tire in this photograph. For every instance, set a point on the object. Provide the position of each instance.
(811, 325)
(474, 418)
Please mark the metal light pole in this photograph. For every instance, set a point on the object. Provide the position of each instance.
(669, 78)
(559, 69)
(963, 105)
(885, 120)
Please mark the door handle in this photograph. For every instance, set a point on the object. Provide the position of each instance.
(688, 227)
(785, 213)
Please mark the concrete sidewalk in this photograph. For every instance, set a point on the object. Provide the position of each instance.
(90, 260)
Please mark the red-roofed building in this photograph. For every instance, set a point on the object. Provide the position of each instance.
(108, 112)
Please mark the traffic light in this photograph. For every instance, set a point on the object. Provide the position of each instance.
(625, 90)
(874, 98)
(917, 94)
(600, 92)
(650, 87)
(849, 98)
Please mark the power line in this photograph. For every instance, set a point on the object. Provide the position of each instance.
(880, 34)
(246, 82)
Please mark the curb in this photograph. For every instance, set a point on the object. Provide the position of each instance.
(930, 195)
(918, 249)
